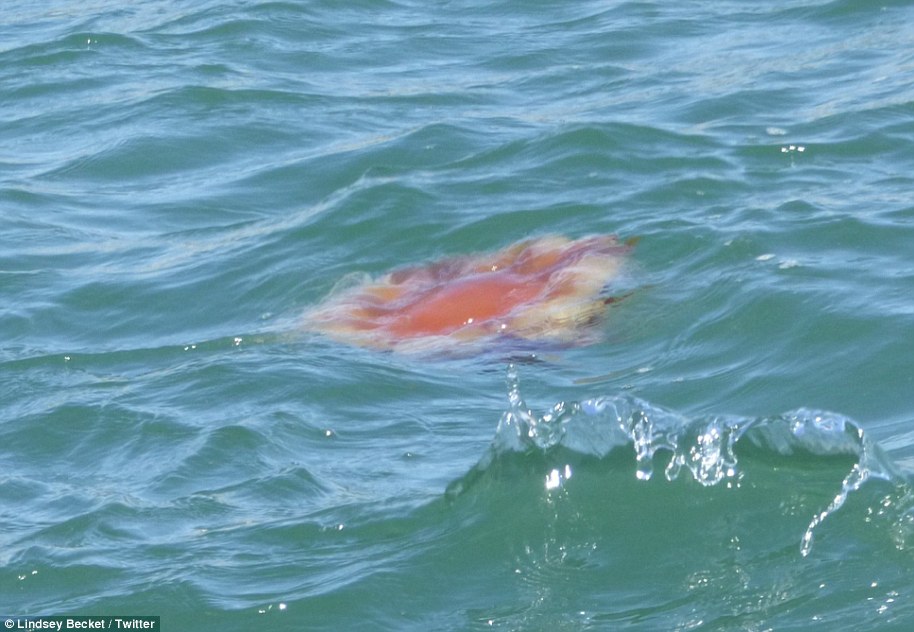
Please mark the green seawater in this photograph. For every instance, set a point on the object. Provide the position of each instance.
(180, 181)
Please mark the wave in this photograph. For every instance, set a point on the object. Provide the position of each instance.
(705, 449)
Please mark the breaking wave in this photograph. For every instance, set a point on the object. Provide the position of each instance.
(703, 448)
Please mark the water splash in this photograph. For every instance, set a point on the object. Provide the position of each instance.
(703, 448)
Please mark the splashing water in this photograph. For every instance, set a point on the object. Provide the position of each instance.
(703, 447)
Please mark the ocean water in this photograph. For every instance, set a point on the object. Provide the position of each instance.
(180, 181)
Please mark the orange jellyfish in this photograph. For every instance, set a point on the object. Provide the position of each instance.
(549, 288)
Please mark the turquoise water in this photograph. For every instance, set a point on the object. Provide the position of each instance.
(181, 181)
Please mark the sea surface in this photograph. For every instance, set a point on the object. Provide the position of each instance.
(180, 181)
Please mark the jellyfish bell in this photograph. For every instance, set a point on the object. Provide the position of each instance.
(551, 289)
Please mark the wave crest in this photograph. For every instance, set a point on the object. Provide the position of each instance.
(703, 447)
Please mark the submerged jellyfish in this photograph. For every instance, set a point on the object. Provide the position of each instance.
(549, 288)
